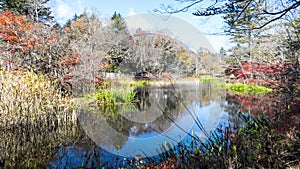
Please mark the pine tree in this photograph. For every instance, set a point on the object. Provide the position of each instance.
(120, 50)
(222, 52)
(241, 23)
(118, 22)
(37, 9)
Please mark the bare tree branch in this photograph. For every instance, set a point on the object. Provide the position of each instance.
(229, 8)
(169, 9)
(293, 6)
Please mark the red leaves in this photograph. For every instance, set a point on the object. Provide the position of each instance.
(256, 72)
(71, 61)
(11, 27)
(257, 104)
(20, 31)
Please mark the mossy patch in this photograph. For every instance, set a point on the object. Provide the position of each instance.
(242, 88)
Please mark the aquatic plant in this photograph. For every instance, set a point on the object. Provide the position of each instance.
(108, 97)
(138, 83)
(253, 145)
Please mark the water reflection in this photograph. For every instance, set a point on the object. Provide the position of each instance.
(140, 129)
(161, 114)
(34, 145)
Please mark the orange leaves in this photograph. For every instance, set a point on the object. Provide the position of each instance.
(10, 19)
(52, 39)
(22, 32)
(13, 27)
(78, 25)
(71, 61)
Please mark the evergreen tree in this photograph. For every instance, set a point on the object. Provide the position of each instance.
(37, 9)
(120, 50)
(241, 22)
(222, 52)
(118, 22)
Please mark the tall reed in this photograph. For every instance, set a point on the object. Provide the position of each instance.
(26, 97)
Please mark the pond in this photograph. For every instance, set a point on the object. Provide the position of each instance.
(160, 118)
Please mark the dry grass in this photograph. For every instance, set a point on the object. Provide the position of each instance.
(27, 97)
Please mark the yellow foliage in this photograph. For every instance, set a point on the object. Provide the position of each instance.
(26, 94)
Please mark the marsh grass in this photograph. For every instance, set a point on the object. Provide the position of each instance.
(253, 145)
(111, 97)
(132, 84)
(241, 88)
(139, 83)
(112, 93)
(238, 88)
(208, 79)
(27, 97)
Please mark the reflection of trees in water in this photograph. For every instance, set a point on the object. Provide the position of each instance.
(151, 102)
(257, 104)
(207, 92)
(34, 145)
(272, 104)
(151, 114)
(83, 153)
(142, 95)
(116, 122)
(161, 102)
(204, 93)
(96, 124)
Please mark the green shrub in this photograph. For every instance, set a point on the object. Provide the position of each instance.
(138, 83)
(109, 97)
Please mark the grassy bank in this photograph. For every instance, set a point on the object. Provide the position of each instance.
(238, 88)
(241, 88)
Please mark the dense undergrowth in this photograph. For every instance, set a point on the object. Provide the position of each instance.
(256, 144)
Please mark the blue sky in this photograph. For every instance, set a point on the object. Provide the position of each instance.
(65, 9)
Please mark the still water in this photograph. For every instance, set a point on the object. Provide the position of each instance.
(103, 135)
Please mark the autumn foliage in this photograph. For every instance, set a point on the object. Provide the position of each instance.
(20, 31)
(30, 45)
(264, 74)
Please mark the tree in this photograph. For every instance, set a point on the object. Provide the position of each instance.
(222, 52)
(240, 26)
(118, 22)
(158, 53)
(272, 9)
(37, 9)
(292, 41)
(119, 49)
(30, 45)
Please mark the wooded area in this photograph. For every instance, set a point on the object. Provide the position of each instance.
(43, 65)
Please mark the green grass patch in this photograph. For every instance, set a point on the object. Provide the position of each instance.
(242, 88)
(111, 97)
(132, 84)
(138, 83)
(208, 79)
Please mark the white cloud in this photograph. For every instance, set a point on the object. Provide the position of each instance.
(80, 5)
(131, 12)
(63, 11)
